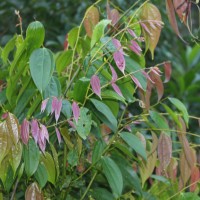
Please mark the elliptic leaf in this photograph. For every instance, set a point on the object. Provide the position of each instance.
(98, 150)
(113, 175)
(41, 175)
(41, 66)
(33, 192)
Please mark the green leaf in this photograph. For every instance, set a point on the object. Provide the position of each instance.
(106, 113)
(66, 108)
(181, 107)
(80, 89)
(9, 179)
(31, 156)
(98, 150)
(84, 123)
(63, 60)
(49, 164)
(98, 31)
(73, 157)
(135, 143)
(41, 65)
(41, 175)
(102, 194)
(35, 34)
(8, 48)
(113, 175)
(159, 121)
(73, 36)
(189, 196)
(109, 94)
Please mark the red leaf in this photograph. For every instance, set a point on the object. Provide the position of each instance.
(114, 16)
(117, 90)
(182, 8)
(158, 84)
(25, 131)
(164, 151)
(119, 60)
(76, 111)
(91, 19)
(172, 17)
(195, 177)
(168, 71)
(96, 87)
(66, 44)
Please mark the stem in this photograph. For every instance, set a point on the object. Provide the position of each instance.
(88, 187)
(14, 190)
(64, 161)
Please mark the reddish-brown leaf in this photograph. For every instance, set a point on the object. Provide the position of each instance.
(96, 87)
(150, 18)
(158, 84)
(164, 151)
(114, 16)
(195, 177)
(33, 192)
(182, 8)
(91, 19)
(168, 71)
(172, 169)
(185, 170)
(172, 17)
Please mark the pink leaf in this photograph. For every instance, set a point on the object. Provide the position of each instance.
(114, 74)
(195, 177)
(44, 105)
(35, 130)
(119, 60)
(44, 132)
(136, 82)
(132, 33)
(117, 90)
(76, 111)
(71, 124)
(118, 45)
(58, 135)
(25, 131)
(168, 71)
(58, 109)
(53, 104)
(4, 115)
(42, 142)
(147, 76)
(114, 16)
(135, 47)
(145, 28)
(96, 87)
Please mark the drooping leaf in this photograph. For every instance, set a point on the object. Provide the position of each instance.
(91, 19)
(195, 177)
(44, 105)
(114, 74)
(182, 9)
(172, 17)
(119, 60)
(49, 164)
(31, 157)
(25, 131)
(135, 143)
(43, 136)
(164, 151)
(35, 130)
(135, 47)
(15, 156)
(33, 192)
(113, 175)
(117, 89)
(158, 84)
(106, 112)
(58, 135)
(98, 31)
(168, 71)
(13, 128)
(147, 167)
(76, 111)
(181, 107)
(172, 169)
(84, 123)
(114, 16)
(96, 87)
(150, 16)
(185, 169)
(42, 65)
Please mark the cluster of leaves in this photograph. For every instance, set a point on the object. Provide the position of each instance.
(80, 135)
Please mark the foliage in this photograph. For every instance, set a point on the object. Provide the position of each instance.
(84, 123)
